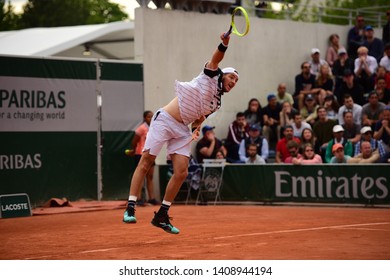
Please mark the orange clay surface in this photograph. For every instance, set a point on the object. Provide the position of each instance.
(95, 231)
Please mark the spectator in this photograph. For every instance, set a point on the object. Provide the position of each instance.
(386, 30)
(209, 145)
(286, 115)
(385, 60)
(334, 47)
(323, 131)
(253, 113)
(367, 135)
(365, 67)
(338, 154)
(304, 84)
(253, 156)
(383, 93)
(220, 155)
(299, 125)
(293, 149)
(283, 96)
(381, 73)
(355, 37)
(382, 129)
(351, 106)
(372, 111)
(373, 44)
(307, 137)
(338, 137)
(342, 63)
(325, 83)
(281, 147)
(238, 130)
(254, 138)
(367, 155)
(332, 107)
(271, 120)
(316, 61)
(308, 157)
(309, 109)
(351, 129)
(352, 87)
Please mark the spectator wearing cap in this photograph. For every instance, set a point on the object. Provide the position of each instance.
(254, 138)
(350, 86)
(366, 134)
(373, 44)
(338, 138)
(238, 130)
(351, 129)
(367, 154)
(282, 152)
(209, 145)
(342, 63)
(316, 61)
(304, 84)
(355, 36)
(372, 111)
(350, 105)
(338, 154)
(382, 129)
(308, 109)
(365, 66)
(334, 47)
(332, 107)
(385, 60)
(323, 131)
(271, 121)
(386, 30)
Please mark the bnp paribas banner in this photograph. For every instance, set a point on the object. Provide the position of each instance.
(342, 183)
(51, 111)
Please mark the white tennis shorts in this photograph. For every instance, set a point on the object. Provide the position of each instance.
(165, 129)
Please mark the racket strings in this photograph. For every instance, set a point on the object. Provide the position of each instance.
(240, 21)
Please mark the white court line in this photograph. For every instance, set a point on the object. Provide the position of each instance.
(369, 229)
(299, 230)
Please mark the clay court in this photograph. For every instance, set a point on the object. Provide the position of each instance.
(94, 231)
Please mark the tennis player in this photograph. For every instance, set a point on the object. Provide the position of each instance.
(194, 101)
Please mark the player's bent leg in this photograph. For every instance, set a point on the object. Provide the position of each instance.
(180, 171)
(137, 181)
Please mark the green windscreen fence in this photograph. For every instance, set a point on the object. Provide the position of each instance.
(326, 183)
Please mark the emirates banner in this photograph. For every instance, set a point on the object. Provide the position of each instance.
(325, 183)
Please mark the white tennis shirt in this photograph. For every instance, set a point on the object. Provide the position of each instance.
(198, 98)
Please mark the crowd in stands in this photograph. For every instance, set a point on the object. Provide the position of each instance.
(339, 111)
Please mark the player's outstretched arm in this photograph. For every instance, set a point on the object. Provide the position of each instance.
(219, 53)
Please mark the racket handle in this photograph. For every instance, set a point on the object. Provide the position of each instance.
(229, 32)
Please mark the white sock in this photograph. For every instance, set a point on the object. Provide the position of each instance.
(166, 202)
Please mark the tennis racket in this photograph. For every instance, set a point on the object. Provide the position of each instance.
(240, 22)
